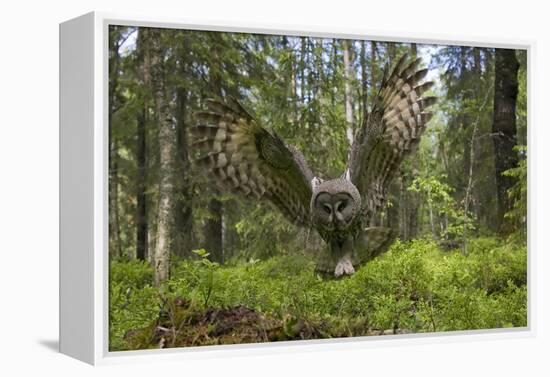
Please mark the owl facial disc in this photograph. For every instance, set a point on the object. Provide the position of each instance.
(335, 204)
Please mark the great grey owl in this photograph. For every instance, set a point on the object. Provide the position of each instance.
(244, 157)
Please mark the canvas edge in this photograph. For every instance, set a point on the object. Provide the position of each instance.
(76, 190)
(100, 342)
(249, 26)
(531, 192)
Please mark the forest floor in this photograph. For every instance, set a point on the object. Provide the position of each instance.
(414, 287)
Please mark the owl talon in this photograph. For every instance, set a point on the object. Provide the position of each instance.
(344, 267)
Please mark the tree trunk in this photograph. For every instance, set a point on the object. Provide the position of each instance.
(115, 246)
(403, 209)
(414, 50)
(213, 230)
(477, 61)
(391, 52)
(470, 142)
(348, 77)
(319, 84)
(144, 55)
(504, 127)
(183, 209)
(334, 63)
(293, 86)
(412, 198)
(465, 119)
(167, 138)
(469, 186)
(431, 212)
(302, 70)
(142, 224)
(364, 79)
(373, 86)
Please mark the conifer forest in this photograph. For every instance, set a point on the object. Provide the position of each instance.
(192, 264)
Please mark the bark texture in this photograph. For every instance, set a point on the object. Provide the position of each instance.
(504, 127)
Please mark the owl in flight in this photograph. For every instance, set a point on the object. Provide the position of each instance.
(243, 157)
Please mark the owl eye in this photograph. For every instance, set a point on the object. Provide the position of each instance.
(327, 208)
(341, 207)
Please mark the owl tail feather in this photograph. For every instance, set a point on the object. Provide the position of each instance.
(370, 244)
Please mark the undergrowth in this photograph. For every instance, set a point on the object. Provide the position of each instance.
(414, 287)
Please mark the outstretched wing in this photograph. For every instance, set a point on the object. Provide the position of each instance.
(245, 158)
(390, 131)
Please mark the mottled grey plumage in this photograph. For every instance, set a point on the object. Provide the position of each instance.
(391, 131)
(245, 158)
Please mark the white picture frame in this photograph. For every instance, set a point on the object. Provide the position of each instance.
(84, 187)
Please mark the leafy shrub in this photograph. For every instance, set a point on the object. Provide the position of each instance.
(135, 273)
(133, 302)
(518, 195)
(441, 202)
(414, 287)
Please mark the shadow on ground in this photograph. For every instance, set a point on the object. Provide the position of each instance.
(51, 344)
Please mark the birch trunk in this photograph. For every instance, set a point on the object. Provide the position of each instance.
(167, 137)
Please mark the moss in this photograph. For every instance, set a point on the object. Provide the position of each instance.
(414, 287)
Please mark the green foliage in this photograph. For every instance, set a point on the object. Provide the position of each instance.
(521, 104)
(518, 195)
(266, 231)
(473, 291)
(203, 275)
(442, 204)
(135, 273)
(414, 287)
(133, 302)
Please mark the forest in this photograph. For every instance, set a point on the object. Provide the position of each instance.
(191, 265)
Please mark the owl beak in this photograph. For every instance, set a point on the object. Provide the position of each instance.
(339, 222)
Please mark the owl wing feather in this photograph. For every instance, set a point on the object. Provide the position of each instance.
(389, 132)
(242, 157)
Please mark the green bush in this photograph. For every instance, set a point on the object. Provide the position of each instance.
(414, 287)
(133, 302)
(133, 273)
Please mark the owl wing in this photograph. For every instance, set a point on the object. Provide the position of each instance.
(242, 157)
(390, 131)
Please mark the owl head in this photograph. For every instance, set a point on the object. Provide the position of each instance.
(334, 203)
